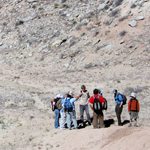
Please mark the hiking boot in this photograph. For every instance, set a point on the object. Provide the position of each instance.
(129, 125)
(76, 128)
(63, 128)
(135, 125)
(89, 123)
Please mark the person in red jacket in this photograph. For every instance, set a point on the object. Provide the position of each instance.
(97, 116)
(133, 109)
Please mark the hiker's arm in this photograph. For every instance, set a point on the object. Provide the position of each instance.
(121, 104)
(102, 105)
(91, 105)
(64, 111)
(121, 100)
(77, 97)
(54, 103)
(129, 103)
(88, 94)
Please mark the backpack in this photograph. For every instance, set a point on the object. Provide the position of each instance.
(68, 105)
(136, 103)
(58, 104)
(51, 105)
(105, 104)
(97, 105)
(124, 99)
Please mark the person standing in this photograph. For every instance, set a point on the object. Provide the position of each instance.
(119, 106)
(97, 116)
(57, 108)
(63, 116)
(133, 109)
(69, 109)
(84, 105)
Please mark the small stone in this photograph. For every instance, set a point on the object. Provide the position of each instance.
(140, 10)
(96, 42)
(133, 23)
(122, 41)
(30, 54)
(139, 18)
(87, 43)
(56, 43)
(31, 1)
(57, 145)
(101, 6)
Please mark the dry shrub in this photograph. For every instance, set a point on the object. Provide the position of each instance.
(122, 33)
(133, 6)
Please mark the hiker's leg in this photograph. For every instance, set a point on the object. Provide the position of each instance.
(81, 112)
(101, 120)
(56, 118)
(118, 114)
(74, 119)
(63, 120)
(87, 113)
(95, 120)
(135, 116)
(68, 120)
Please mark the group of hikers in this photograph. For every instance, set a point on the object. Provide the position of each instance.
(64, 108)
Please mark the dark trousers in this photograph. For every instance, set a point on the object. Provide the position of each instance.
(118, 111)
(86, 109)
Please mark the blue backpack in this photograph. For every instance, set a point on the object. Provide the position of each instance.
(68, 105)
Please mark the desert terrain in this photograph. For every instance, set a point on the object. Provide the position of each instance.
(54, 46)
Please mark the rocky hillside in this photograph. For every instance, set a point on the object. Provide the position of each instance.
(49, 45)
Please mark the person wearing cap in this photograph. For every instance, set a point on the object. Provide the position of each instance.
(133, 109)
(119, 105)
(99, 92)
(57, 109)
(97, 117)
(71, 114)
(84, 105)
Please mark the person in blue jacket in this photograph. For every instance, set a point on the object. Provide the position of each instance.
(119, 105)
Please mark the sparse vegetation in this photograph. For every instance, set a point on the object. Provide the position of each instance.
(65, 6)
(19, 22)
(33, 6)
(55, 5)
(74, 22)
(123, 33)
(40, 8)
(133, 6)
